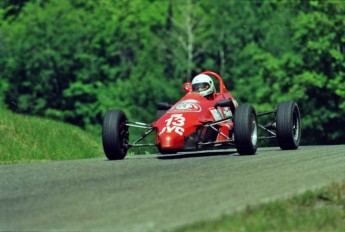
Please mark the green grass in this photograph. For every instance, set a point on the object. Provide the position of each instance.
(320, 210)
(28, 139)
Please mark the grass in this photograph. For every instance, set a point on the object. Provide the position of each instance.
(320, 210)
(28, 139)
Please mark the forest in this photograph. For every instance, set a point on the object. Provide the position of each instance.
(72, 60)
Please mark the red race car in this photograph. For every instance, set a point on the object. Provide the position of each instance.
(203, 119)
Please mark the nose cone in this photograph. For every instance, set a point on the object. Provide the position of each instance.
(171, 141)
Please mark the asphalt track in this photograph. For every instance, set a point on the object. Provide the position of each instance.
(147, 193)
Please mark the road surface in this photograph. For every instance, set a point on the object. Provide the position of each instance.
(148, 193)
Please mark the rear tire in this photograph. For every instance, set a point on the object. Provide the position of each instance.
(162, 108)
(115, 135)
(245, 131)
(160, 113)
(288, 120)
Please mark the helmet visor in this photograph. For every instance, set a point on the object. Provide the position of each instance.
(200, 87)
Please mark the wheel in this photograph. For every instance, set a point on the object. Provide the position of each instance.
(245, 130)
(162, 108)
(115, 135)
(160, 113)
(288, 121)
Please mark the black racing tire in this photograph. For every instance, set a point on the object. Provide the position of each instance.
(245, 130)
(162, 108)
(288, 120)
(160, 113)
(115, 135)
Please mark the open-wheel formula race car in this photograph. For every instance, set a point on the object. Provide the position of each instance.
(197, 123)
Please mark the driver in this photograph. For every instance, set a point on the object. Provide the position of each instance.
(203, 85)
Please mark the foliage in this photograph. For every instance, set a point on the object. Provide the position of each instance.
(73, 60)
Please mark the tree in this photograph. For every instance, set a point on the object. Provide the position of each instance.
(320, 42)
(56, 72)
(310, 70)
(73, 59)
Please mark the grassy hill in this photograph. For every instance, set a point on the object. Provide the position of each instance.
(26, 139)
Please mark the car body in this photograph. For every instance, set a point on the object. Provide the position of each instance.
(182, 126)
(198, 123)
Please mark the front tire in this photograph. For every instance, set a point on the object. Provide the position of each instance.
(245, 131)
(115, 135)
(288, 120)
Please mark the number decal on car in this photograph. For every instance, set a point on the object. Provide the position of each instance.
(174, 124)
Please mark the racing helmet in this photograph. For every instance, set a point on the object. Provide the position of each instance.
(203, 84)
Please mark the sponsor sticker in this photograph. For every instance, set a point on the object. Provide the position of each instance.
(186, 106)
(215, 113)
(227, 112)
